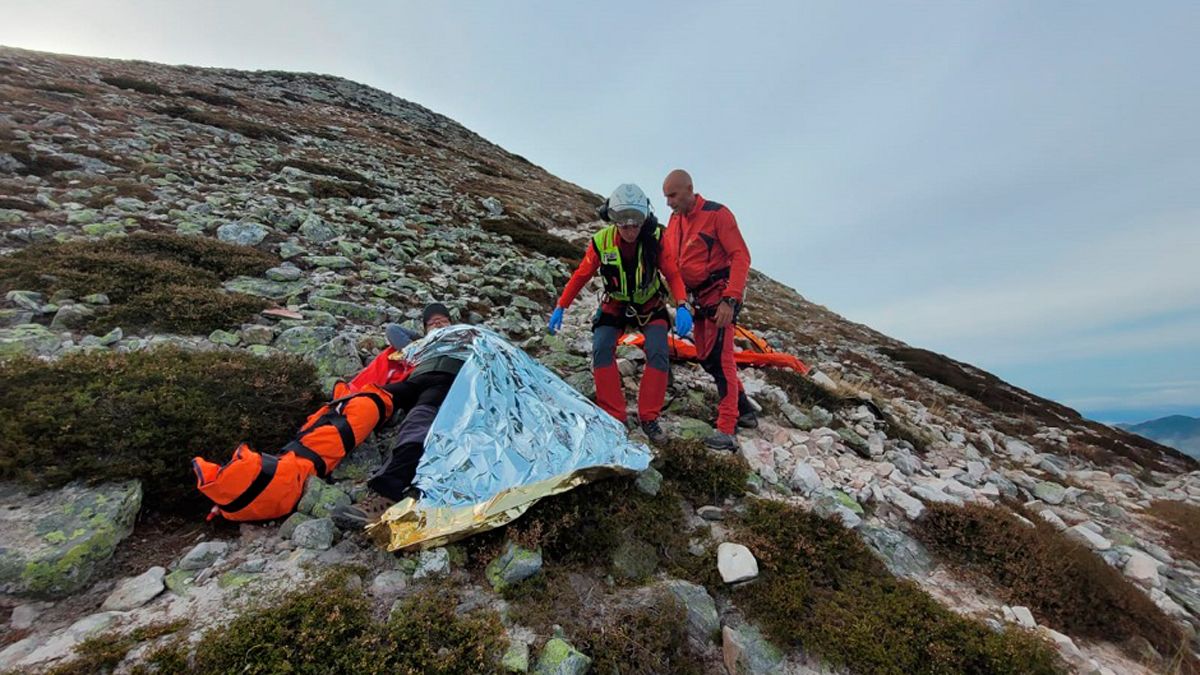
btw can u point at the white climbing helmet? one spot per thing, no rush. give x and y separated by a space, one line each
628 204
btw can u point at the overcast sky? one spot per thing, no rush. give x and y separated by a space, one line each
1014 184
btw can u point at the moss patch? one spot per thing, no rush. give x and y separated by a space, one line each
802 390
329 628
134 84
144 415
1065 585
166 282
101 654
1182 523
644 636
533 238
239 125
327 189
820 589
702 476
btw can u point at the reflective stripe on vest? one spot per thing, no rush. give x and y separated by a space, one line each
647 283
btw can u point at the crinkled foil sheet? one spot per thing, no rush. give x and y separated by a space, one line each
509 433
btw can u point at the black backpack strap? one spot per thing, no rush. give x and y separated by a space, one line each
300 450
265 473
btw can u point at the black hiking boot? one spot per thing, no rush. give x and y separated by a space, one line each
654 432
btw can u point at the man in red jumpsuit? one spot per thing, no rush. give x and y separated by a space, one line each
703 241
638 282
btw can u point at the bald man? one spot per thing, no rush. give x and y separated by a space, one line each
706 245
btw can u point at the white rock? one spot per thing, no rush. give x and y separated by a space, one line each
930 494
804 478
912 508
736 563
1018 449
136 591
203 554
435 562
1024 617
1142 568
1052 518
1087 537
823 380
61 643
1065 645
23 616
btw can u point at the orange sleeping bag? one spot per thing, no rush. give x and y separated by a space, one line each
259 486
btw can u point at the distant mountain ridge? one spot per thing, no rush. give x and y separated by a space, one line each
1177 431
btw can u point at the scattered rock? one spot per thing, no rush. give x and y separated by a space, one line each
55 541
202 555
433 563
136 591
703 620
560 658
745 650
736 563
512 566
316 534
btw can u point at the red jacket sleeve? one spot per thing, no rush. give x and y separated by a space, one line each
739 254
670 272
583 273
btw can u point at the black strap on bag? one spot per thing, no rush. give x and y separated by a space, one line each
265 473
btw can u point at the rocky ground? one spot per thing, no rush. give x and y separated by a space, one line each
376 206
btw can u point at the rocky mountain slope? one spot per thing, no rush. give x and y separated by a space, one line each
1177 431
999 517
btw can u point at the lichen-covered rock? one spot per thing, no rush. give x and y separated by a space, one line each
560 658
52 544
30 339
516 657
747 652
317 534
203 554
702 618
320 498
514 565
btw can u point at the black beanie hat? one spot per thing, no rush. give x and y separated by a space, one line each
433 309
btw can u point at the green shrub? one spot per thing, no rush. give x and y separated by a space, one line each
167 282
801 390
702 476
533 238
330 189
328 628
647 637
182 309
109 416
212 98
140 86
238 125
321 169
426 635
101 654
1182 524
1063 583
312 630
820 589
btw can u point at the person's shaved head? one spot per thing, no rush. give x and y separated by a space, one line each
678 190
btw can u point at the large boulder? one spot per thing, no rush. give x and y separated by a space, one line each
51 544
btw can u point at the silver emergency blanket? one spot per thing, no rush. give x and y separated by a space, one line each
509 432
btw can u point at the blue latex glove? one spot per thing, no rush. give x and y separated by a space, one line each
683 321
556 318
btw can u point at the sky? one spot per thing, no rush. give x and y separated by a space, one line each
1014 184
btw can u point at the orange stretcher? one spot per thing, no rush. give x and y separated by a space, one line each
757 352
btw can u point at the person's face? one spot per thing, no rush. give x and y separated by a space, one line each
628 231
679 195
437 321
